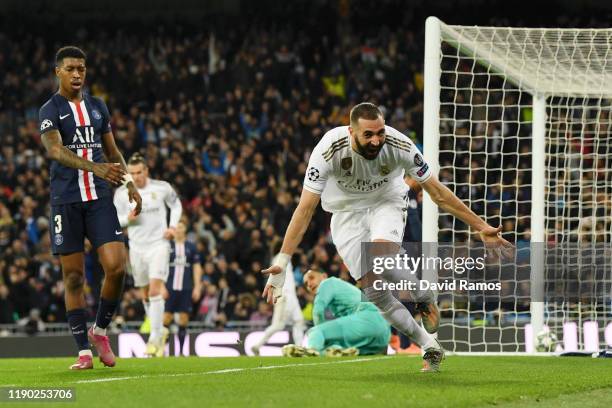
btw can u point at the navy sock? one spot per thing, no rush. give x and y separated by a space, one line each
182 332
106 310
77 319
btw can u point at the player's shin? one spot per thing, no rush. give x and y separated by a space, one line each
399 317
298 333
156 313
106 310
182 333
269 332
77 319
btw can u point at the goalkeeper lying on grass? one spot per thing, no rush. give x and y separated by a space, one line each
358 327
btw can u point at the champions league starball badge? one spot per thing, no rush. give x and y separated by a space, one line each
313 174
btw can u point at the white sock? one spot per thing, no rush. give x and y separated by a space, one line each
399 317
85 353
269 332
99 331
298 333
156 315
146 307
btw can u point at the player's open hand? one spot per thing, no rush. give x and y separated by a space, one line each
271 294
134 196
111 172
495 244
273 270
274 287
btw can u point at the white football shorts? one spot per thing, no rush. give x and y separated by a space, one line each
350 228
150 263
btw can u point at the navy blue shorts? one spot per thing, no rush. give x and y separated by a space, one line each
71 223
178 301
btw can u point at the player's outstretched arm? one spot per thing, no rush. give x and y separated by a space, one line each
293 236
112 153
323 298
52 140
449 202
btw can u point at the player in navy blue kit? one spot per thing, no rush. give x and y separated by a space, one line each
76 133
184 282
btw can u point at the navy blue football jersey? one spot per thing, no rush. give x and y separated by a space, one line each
183 255
81 127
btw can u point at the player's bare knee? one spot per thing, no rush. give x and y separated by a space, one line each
183 319
154 291
115 271
73 280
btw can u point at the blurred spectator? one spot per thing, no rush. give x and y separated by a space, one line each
229 114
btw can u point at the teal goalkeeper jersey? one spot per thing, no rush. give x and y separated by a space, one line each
340 297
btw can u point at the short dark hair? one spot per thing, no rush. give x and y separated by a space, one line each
137 158
365 110
69 51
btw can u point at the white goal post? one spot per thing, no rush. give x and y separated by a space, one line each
518 123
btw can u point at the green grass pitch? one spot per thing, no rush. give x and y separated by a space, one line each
320 382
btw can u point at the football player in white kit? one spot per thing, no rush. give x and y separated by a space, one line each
149 234
287 311
357 172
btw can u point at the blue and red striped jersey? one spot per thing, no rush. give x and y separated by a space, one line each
81 126
183 256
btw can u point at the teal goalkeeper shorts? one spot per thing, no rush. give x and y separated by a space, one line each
366 330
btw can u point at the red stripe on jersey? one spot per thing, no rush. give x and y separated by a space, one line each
85 173
81 117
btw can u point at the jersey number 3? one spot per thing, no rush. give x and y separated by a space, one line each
58 223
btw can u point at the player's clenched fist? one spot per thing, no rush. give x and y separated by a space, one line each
111 172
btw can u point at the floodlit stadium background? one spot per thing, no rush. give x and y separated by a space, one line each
225 99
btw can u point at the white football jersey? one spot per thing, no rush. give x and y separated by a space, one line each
347 181
150 225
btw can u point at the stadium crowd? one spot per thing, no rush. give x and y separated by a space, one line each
227 112
228 117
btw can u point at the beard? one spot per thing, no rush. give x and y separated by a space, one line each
368 151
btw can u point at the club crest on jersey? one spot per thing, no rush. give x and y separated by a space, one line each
59 239
87 138
154 196
384 170
346 163
418 160
96 114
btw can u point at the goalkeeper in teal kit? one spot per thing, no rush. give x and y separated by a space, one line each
357 327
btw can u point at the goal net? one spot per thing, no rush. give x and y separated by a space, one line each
518 125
